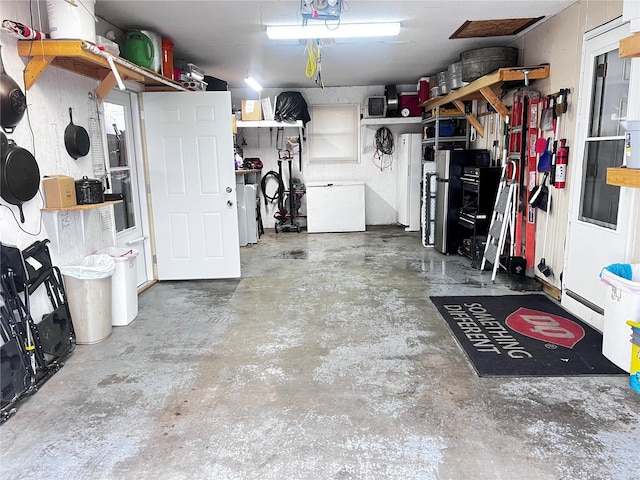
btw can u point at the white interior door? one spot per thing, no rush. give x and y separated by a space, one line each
125 167
191 172
601 215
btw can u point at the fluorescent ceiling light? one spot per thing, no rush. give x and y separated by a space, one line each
342 30
253 84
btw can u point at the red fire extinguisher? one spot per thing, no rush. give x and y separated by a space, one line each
561 164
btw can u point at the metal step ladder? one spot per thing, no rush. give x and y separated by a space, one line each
502 220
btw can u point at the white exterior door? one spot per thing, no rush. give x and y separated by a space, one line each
125 165
601 216
191 172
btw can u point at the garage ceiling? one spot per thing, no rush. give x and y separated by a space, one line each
227 39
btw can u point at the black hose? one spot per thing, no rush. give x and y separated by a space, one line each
277 195
384 141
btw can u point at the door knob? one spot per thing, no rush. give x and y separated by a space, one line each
229 190
229 203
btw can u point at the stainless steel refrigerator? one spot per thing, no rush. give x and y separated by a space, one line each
449 168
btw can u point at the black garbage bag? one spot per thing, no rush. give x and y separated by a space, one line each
291 106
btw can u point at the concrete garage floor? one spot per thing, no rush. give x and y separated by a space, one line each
325 361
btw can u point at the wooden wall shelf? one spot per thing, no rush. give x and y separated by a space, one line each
86 206
624 177
630 46
75 208
75 56
489 87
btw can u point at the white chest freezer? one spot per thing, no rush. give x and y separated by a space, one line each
335 207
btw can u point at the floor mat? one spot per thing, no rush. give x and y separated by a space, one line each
524 335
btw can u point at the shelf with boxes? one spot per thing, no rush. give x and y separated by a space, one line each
60 197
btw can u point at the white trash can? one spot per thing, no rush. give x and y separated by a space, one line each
621 303
124 285
88 286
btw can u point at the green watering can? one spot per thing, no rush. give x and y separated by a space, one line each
138 48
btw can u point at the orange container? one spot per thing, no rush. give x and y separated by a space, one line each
167 57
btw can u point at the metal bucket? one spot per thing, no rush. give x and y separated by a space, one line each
455 76
443 82
480 61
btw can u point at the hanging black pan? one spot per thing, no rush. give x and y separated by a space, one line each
12 101
76 139
19 174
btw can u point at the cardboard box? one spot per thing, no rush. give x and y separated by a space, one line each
251 110
59 191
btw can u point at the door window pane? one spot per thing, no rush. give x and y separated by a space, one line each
610 91
599 203
598 200
124 213
119 169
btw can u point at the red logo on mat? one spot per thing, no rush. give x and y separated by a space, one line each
545 327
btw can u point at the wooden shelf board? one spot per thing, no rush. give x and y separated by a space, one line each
87 206
71 56
624 177
487 86
630 46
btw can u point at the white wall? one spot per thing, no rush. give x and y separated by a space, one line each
380 191
42 133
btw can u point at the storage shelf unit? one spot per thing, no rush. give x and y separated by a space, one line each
76 56
437 141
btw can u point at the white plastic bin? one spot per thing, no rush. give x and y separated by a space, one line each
621 303
88 285
124 285
75 20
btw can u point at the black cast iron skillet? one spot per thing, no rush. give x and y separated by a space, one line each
76 139
19 174
13 103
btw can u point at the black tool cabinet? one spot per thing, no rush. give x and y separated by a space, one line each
479 189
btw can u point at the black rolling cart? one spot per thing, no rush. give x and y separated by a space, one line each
290 201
